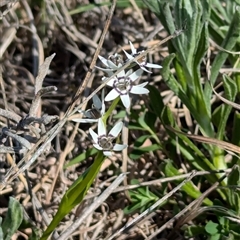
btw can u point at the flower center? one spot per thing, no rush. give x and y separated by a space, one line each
123 85
105 142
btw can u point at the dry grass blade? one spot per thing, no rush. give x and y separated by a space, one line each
224 50
38 84
222 144
235 105
9 4
43 70
139 13
6 39
37 47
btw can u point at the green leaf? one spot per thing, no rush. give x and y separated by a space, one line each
150 148
234 176
13 219
189 12
212 228
120 114
81 157
147 126
237 203
236 129
75 194
223 115
167 75
150 119
163 12
187 147
156 101
140 141
193 231
188 187
142 123
140 198
26 224
229 42
217 236
230 88
138 152
35 234
220 11
233 195
194 103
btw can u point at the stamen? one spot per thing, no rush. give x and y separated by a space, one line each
123 85
105 142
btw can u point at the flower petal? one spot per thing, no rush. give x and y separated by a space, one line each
143 68
112 65
125 100
107 70
119 147
97 102
116 129
134 76
151 65
108 63
107 153
129 72
93 135
111 82
134 50
101 127
92 114
85 120
103 109
142 84
121 74
139 90
97 147
129 56
103 104
104 78
103 60
111 95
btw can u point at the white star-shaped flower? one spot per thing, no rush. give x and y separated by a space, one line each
93 114
111 66
141 62
104 141
123 84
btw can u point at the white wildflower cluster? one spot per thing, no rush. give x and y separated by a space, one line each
123 85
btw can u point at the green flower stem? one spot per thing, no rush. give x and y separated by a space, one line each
75 194
110 110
